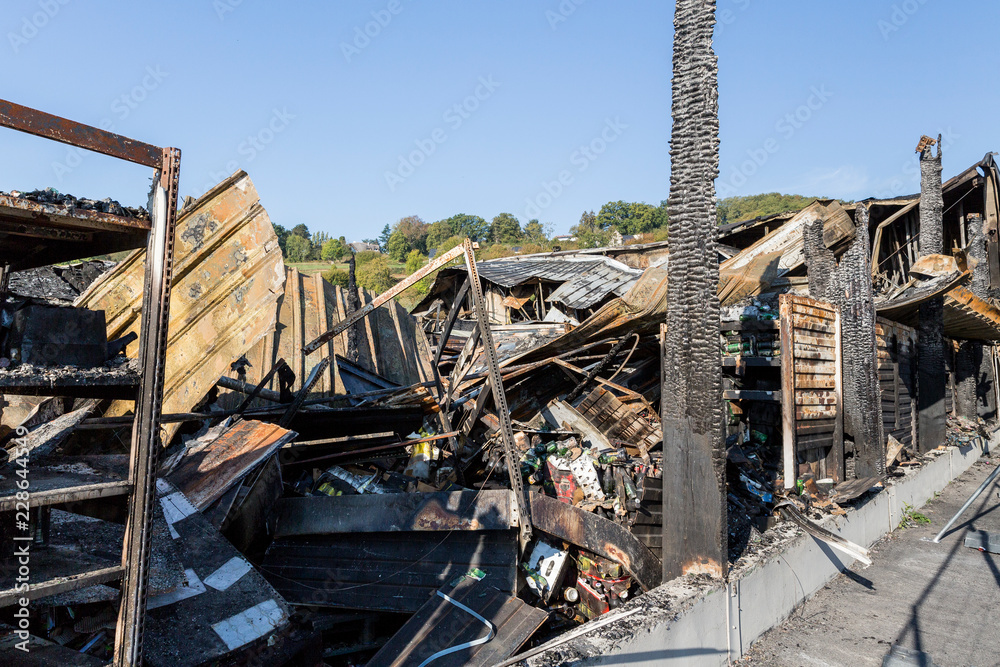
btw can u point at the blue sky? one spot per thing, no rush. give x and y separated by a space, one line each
541 108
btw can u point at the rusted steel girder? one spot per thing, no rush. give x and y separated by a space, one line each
499 397
46 125
146 429
382 298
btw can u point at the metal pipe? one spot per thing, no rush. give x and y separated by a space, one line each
972 499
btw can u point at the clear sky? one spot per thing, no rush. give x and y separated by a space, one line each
481 107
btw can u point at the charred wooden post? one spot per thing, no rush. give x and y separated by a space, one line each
353 305
985 384
931 376
694 484
848 284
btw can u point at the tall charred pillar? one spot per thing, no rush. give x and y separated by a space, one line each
694 485
931 378
985 380
848 284
353 304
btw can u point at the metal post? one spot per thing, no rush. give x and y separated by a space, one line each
499 398
146 429
972 499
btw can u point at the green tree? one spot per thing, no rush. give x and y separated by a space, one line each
365 256
333 250
301 230
438 232
383 238
534 232
505 228
738 209
495 251
336 276
375 275
297 248
414 230
399 246
448 244
282 235
626 217
414 262
472 226
587 225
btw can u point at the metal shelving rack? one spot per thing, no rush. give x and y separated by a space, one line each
36 234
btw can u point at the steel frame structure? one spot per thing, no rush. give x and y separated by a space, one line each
145 444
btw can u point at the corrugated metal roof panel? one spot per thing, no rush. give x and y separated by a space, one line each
585 282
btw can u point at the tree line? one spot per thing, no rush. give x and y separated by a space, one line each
410 241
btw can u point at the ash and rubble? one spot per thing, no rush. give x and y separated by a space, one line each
354 484
55 198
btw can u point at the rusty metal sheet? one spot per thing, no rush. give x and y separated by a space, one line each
215 462
46 125
228 276
597 534
370 513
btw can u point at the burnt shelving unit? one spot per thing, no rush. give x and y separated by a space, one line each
36 234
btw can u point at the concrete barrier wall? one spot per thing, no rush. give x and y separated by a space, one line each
676 627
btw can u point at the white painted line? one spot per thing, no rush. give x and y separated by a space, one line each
246 626
176 507
227 575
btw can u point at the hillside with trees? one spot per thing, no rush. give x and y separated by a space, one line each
406 245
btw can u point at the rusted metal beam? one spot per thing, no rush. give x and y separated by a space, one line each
42 124
382 298
499 397
146 430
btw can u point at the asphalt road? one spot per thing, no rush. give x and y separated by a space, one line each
940 599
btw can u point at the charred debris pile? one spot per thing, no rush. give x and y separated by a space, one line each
342 482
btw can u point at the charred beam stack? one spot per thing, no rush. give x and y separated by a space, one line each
847 283
931 375
694 493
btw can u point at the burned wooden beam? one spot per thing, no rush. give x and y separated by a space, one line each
468 623
931 376
694 486
847 283
441 511
598 535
